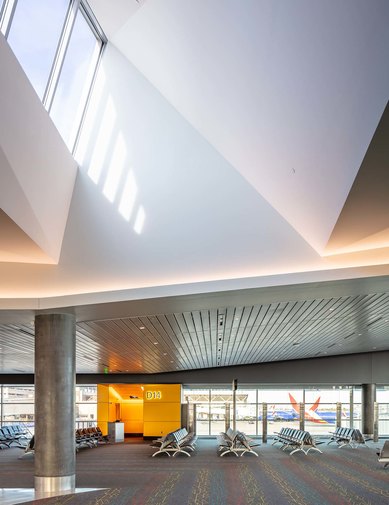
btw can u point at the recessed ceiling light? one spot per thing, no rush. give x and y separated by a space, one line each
141 327
172 362
165 353
155 343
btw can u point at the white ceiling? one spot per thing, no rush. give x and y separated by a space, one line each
243 126
289 93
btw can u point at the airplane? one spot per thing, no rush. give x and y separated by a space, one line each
312 414
274 414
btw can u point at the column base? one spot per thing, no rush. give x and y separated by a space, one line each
55 485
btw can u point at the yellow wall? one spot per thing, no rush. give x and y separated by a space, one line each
158 413
132 416
108 406
161 409
103 408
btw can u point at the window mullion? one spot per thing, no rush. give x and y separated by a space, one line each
60 54
6 14
87 101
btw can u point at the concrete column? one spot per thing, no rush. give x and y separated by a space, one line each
302 416
228 416
352 407
368 399
338 414
264 423
55 460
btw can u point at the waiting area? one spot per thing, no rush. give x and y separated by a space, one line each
127 473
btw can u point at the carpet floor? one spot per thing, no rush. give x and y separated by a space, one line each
131 476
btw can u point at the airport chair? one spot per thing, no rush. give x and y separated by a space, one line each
383 455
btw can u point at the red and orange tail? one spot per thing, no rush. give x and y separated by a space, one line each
294 403
315 406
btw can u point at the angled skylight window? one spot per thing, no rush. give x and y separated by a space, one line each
33 36
58 43
75 79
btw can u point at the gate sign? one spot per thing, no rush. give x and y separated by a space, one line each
153 395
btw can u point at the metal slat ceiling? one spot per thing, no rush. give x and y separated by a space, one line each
212 337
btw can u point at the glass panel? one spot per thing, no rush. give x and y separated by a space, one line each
246 416
34 35
86 394
75 80
218 418
282 408
18 412
18 394
86 406
382 396
202 419
357 416
86 412
196 395
321 409
383 416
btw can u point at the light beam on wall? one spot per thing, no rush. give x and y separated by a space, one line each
139 220
115 169
128 198
90 118
102 141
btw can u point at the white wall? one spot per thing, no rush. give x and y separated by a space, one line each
37 172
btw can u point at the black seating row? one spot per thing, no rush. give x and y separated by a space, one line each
13 434
85 437
347 436
89 437
297 440
235 442
177 442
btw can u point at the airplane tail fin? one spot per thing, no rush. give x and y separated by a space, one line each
294 403
315 406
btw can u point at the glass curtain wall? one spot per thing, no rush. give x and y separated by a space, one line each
382 398
58 43
86 406
17 406
214 408
322 407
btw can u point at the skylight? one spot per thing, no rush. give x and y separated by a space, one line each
58 43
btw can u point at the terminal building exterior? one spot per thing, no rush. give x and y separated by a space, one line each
192 193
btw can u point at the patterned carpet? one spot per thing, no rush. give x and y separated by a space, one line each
131 476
